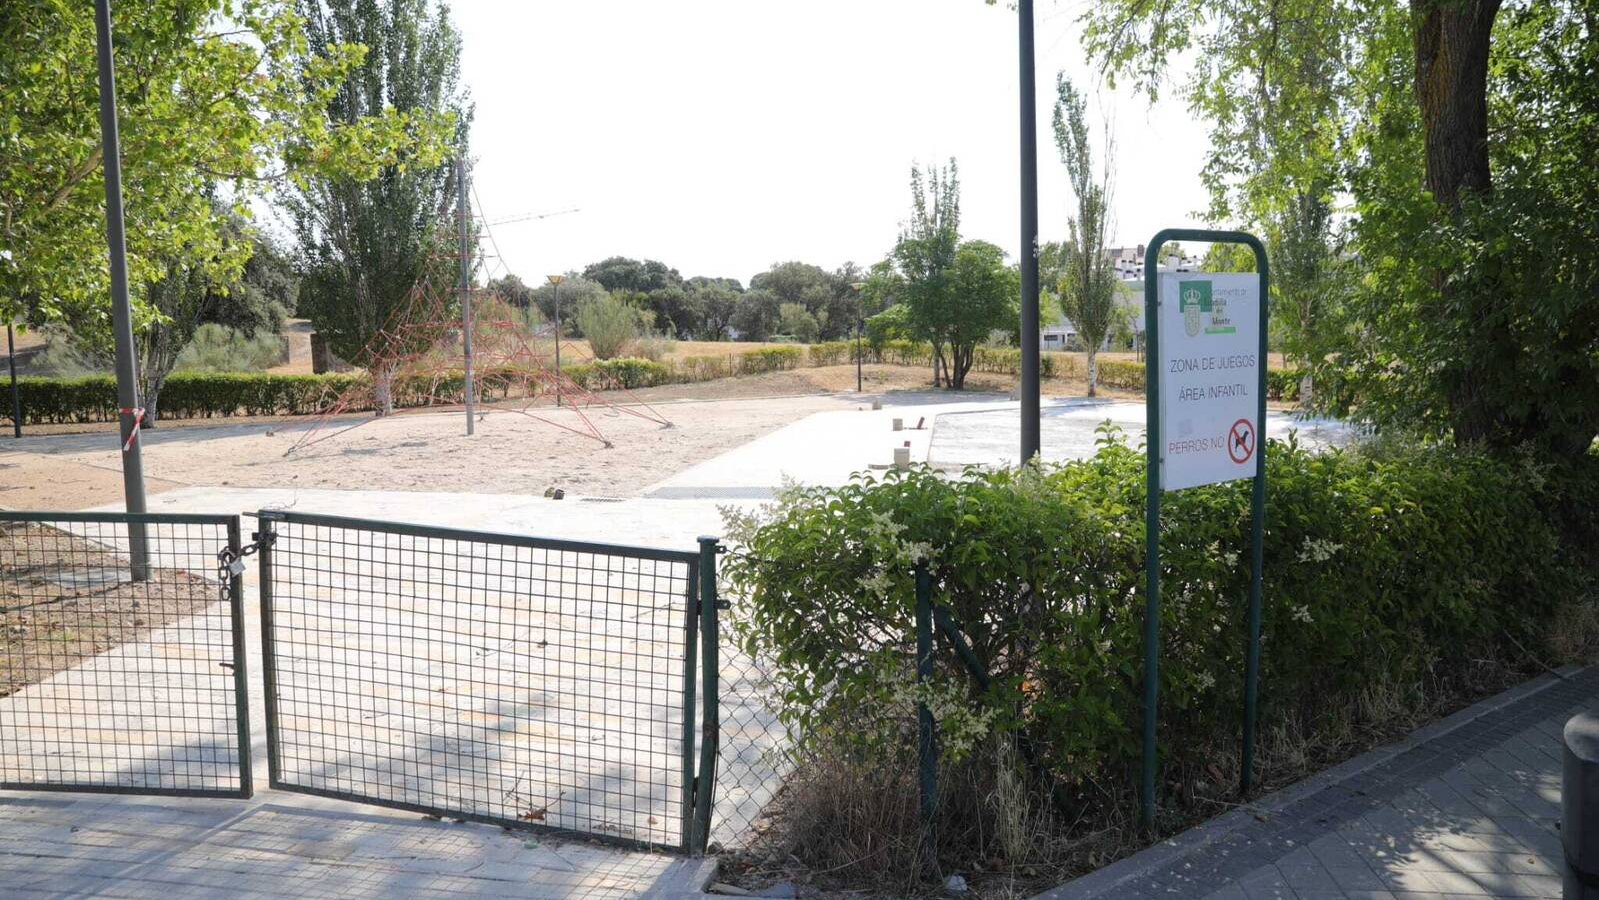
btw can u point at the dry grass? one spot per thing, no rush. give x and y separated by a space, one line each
847 826
1573 635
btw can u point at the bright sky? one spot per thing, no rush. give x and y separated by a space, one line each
721 136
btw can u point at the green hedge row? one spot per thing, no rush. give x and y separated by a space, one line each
92 398
1383 572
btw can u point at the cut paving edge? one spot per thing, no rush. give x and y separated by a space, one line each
1158 855
689 882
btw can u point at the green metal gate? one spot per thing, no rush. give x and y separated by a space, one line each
124 666
521 681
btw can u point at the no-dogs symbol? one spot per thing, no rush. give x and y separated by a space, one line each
1241 441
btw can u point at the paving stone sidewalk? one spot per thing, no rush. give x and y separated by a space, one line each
286 847
1466 809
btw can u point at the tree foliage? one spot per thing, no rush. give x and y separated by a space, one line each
610 323
1088 281
368 243
1462 131
925 254
217 99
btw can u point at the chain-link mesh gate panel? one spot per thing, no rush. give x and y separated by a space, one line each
489 677
754 751
123 663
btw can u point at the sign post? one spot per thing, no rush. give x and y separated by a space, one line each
1205 420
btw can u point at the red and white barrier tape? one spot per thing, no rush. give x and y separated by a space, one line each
137 412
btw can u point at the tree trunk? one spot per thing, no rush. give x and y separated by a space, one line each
383 388
1093 369
152 401
960 363
1307 387
1452 39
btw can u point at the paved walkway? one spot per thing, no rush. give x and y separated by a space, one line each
283 846
1466 808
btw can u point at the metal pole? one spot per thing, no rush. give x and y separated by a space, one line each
926 742
130 413
1257 539
557 343
16 398
466 285
859 325
1151 533
241 676
1029 388
711 717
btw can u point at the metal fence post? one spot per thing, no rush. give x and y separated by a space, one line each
926 743
691 629
241 678
710 666
269 671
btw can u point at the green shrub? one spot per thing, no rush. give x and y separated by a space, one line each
705 368
832 353
1392 570
218 348
627 372
93 398
610 323
770 359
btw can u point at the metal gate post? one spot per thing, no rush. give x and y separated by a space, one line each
711 672
269 673
691 627
926 741
241 678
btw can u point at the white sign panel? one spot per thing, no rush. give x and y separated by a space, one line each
1209 378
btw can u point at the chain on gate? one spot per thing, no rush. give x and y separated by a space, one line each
230 563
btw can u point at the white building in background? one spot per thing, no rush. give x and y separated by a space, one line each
1060 334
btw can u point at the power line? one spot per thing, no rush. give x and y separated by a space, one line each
528 217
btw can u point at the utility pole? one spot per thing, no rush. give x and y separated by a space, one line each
130 414
16 399
466 285
1028 388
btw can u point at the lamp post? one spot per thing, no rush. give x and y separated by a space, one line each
555 282
856 287
1029 388
129 411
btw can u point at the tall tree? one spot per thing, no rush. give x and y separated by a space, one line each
926 252
214 102
984 293
1402 109
1088 284
825 295
717 300
368 244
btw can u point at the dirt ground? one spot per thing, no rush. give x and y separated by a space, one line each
64 599
428 451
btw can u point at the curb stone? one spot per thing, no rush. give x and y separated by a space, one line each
1199 837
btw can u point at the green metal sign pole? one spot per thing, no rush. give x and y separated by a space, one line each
1153 445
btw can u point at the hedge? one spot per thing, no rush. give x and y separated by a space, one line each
92 398
1382 572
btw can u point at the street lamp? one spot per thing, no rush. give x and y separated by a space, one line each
555 281
856 287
